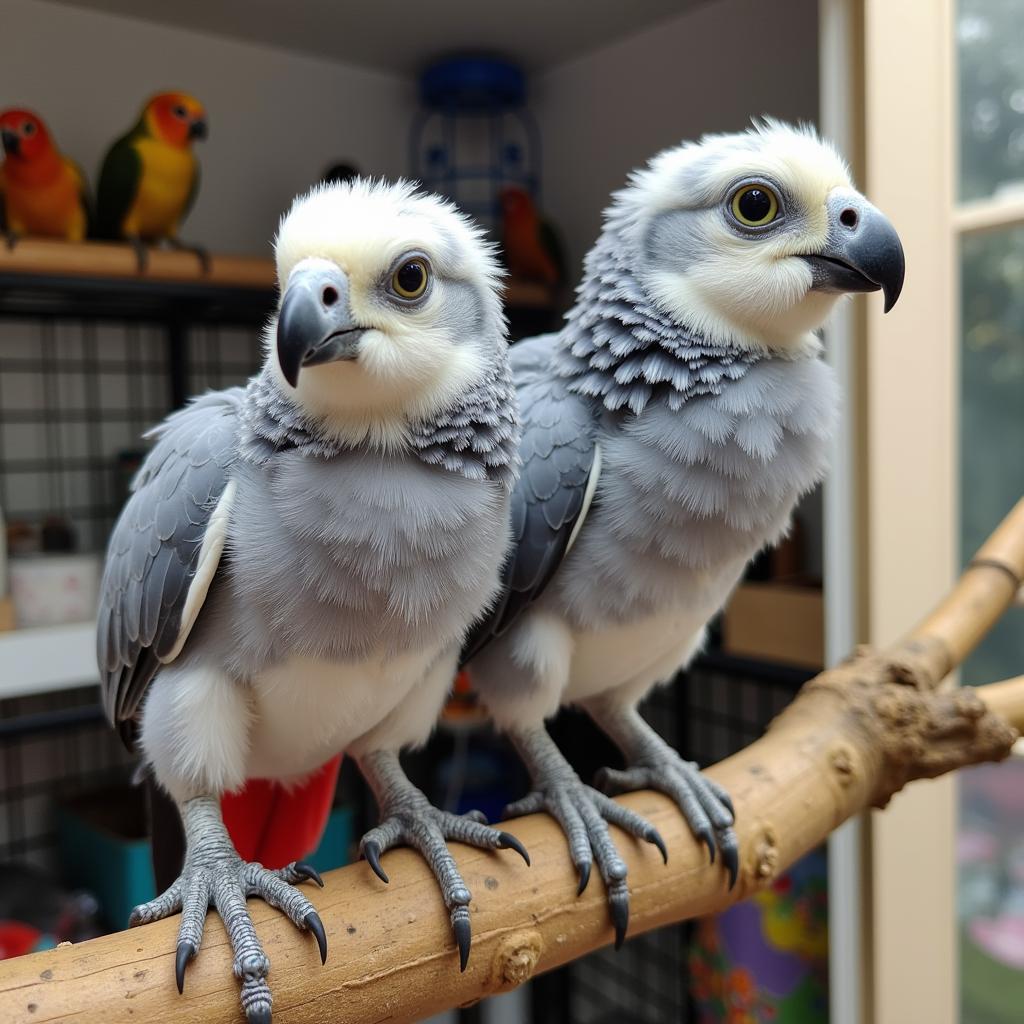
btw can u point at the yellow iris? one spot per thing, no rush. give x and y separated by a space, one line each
755 205
410 279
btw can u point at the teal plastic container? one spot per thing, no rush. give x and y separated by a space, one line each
335 849
104 848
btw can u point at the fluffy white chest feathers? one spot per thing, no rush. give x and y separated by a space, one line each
307 709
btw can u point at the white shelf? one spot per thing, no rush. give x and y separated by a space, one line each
46 659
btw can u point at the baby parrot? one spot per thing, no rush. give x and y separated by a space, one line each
358 490
44 193
669 429
150 177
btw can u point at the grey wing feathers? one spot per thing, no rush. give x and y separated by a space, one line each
154 549
557 451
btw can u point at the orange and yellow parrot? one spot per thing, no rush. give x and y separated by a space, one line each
43 192
532 252
150 177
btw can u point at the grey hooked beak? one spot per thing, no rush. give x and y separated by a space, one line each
314 324
11 142
197 129
863 252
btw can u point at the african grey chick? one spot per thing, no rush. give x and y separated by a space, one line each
684 406
300 559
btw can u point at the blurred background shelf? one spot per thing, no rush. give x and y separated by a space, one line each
47 659
102 279
40 256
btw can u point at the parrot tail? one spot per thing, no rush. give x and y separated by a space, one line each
274 824
269 823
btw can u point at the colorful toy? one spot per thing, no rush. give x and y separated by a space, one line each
150 177
686 392
361 484
43 192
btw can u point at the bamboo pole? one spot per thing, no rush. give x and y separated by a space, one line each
852 738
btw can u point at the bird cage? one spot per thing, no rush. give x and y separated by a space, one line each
473 135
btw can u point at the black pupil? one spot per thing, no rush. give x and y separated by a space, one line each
410 277
29 128
755 204
179 112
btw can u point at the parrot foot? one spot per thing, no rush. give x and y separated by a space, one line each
11 239
584 815
198 251
215 874
409 819
705 805
141 253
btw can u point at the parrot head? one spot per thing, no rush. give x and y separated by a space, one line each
24 137
389 307
751 238
175 118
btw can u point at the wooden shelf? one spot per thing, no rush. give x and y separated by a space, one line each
36 265
49 258
47 658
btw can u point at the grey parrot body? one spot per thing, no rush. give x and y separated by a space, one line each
300 559
669 430
704 452
343 572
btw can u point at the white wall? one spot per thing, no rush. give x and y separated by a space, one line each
709 69
276 118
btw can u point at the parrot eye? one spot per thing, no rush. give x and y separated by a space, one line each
28 128
755 205
179 111
409 281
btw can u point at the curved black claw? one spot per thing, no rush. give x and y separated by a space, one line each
258 1015
654 836
464 939
507 841
316 926
707 837
184 954
584 870
308 872
620 918
731 860
371 853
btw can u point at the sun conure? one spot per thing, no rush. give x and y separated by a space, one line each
43 192
150 177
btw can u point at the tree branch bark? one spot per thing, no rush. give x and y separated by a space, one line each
853 737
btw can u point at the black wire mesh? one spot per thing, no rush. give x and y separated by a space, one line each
62 747
76 396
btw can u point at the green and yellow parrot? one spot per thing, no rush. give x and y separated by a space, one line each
150 177
42 192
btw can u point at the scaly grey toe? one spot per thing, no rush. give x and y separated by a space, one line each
214 875
706 807
409 819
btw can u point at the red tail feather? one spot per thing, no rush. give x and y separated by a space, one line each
275 824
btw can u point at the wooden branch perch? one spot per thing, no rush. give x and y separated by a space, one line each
852 738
